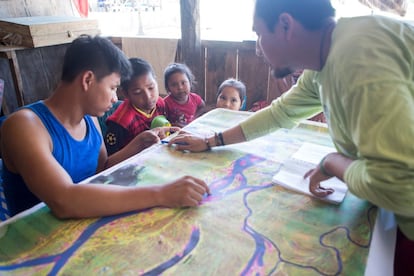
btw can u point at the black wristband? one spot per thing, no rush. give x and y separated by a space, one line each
220 136
216 139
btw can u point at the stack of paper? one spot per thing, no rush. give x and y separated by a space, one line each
306 158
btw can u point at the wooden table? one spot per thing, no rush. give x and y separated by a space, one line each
247 226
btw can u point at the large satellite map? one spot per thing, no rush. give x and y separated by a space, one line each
247 226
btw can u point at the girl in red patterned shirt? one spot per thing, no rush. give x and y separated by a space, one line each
181 104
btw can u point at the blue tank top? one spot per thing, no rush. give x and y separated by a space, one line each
78 158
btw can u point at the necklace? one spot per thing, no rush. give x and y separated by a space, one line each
327 30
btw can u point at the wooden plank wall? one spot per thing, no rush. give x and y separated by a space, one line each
40 70
220 63
254 73
225 59
237 60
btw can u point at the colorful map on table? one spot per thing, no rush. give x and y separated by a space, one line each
247 226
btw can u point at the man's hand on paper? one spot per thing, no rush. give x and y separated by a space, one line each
333 164
315 179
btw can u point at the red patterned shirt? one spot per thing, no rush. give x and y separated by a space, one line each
182 114
127 122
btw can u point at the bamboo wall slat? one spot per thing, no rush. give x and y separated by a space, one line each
254 73
219 65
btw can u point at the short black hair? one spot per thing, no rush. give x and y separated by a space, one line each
310 13
178 67
139 68
97 54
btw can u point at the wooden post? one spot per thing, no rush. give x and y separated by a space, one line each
191 50
10 54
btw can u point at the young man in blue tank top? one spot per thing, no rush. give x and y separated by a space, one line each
50 145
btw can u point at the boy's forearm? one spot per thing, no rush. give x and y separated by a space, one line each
102 200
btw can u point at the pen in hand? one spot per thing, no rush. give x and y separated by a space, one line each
177 143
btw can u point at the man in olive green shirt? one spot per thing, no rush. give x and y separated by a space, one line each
360 73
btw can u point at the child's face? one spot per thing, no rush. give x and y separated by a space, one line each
143 92
229 98
179 87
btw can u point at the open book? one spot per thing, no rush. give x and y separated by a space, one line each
307 157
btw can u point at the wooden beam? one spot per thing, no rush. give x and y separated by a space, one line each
191 50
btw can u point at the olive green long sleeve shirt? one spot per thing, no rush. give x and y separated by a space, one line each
366 91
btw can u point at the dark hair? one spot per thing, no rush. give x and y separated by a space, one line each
97 54
310 13
239 86
178 67
139 67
